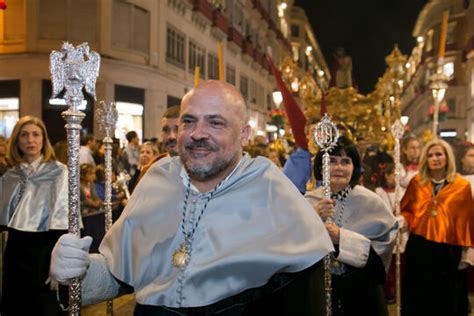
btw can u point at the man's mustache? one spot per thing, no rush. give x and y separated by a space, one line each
171 142
200 144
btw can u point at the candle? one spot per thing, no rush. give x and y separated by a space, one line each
221 63
196 76
444 29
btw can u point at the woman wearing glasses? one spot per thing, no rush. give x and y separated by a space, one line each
362 229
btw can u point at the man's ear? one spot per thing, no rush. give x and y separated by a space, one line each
244 139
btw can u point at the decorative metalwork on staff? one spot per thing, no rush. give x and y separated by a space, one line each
107 116
72 69
326 135
397 130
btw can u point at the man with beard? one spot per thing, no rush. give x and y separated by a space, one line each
169 130
169 133
210 232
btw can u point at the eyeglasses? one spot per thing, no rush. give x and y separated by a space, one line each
343 161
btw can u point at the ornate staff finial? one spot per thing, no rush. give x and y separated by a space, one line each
326 135
72 69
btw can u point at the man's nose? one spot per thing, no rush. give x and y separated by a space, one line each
199 131
173 134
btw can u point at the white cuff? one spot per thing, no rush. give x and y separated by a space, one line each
354 248
467 258
98 284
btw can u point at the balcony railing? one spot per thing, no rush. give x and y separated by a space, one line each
248 48
235 36
219 20
204 7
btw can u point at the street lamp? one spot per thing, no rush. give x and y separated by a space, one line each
277 98
438 87
404 120
396 63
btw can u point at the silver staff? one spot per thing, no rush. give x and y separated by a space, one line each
397 130
72 69
107 116
326 135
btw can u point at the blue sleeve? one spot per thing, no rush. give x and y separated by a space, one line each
298 168
100 190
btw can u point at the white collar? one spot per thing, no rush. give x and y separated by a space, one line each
30 168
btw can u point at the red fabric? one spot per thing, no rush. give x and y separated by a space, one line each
295 116
412 167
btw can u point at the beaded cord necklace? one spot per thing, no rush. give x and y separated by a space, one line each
341 197
337 267
437 186
182 256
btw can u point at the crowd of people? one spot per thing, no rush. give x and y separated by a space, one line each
213 228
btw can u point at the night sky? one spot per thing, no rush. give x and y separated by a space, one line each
367 29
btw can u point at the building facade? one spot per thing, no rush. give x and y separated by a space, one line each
150 50
417 99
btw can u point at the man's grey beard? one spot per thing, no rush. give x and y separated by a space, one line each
210 171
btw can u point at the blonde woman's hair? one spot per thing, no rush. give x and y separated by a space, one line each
424 172
14 155
153 147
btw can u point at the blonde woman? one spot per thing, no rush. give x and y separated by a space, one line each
148 153
438 210
33 209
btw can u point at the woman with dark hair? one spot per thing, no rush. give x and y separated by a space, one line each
438 210
363 233
34 211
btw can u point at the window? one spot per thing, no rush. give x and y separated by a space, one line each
130 106
451 103
175 47
451 33
238 18
253 91
429 41
14 27
260 97
230 75
244 87
196 58
269 102
74 20
229 9
9 106
295 30
130 27
212 66
172 101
